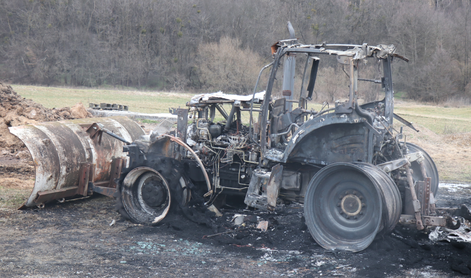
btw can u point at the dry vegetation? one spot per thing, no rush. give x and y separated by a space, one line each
451 152
14 192
227 66
445 133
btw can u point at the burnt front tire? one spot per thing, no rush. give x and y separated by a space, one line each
145 196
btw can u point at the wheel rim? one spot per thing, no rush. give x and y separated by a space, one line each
343 207
391 196
145 195
151 192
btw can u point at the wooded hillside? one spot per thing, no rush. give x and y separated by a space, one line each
198 44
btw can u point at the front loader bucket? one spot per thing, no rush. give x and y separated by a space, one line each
67 158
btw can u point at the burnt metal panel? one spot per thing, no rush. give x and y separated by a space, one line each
182 123
273 186
388 88
255 196
333 143
312 79
45 158
46 196
296 180
69 149
103 190
291 180
163 146
84 176
307 128
116 166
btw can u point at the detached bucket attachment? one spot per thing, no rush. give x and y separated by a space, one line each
67 158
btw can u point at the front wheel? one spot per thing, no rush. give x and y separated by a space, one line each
145 195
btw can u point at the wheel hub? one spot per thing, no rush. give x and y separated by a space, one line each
351 205
153 193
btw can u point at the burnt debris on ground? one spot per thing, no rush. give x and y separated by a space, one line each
83 236
288 241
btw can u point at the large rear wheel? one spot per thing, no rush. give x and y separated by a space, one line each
345 205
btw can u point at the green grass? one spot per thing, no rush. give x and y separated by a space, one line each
138 101
441 120
13 198
146 121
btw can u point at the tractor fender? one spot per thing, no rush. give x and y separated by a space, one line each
350 132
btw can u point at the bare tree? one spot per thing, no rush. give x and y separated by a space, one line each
228 67
161 43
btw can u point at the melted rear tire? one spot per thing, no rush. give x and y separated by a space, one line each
346 205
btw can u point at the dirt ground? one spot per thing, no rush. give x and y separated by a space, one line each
88 238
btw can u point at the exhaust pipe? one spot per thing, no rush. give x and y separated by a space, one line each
68 156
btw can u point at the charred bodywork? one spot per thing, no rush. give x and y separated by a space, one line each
350 167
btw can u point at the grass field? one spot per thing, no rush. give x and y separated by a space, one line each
445 132
138 101
441 120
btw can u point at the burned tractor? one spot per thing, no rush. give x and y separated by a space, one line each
351 168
